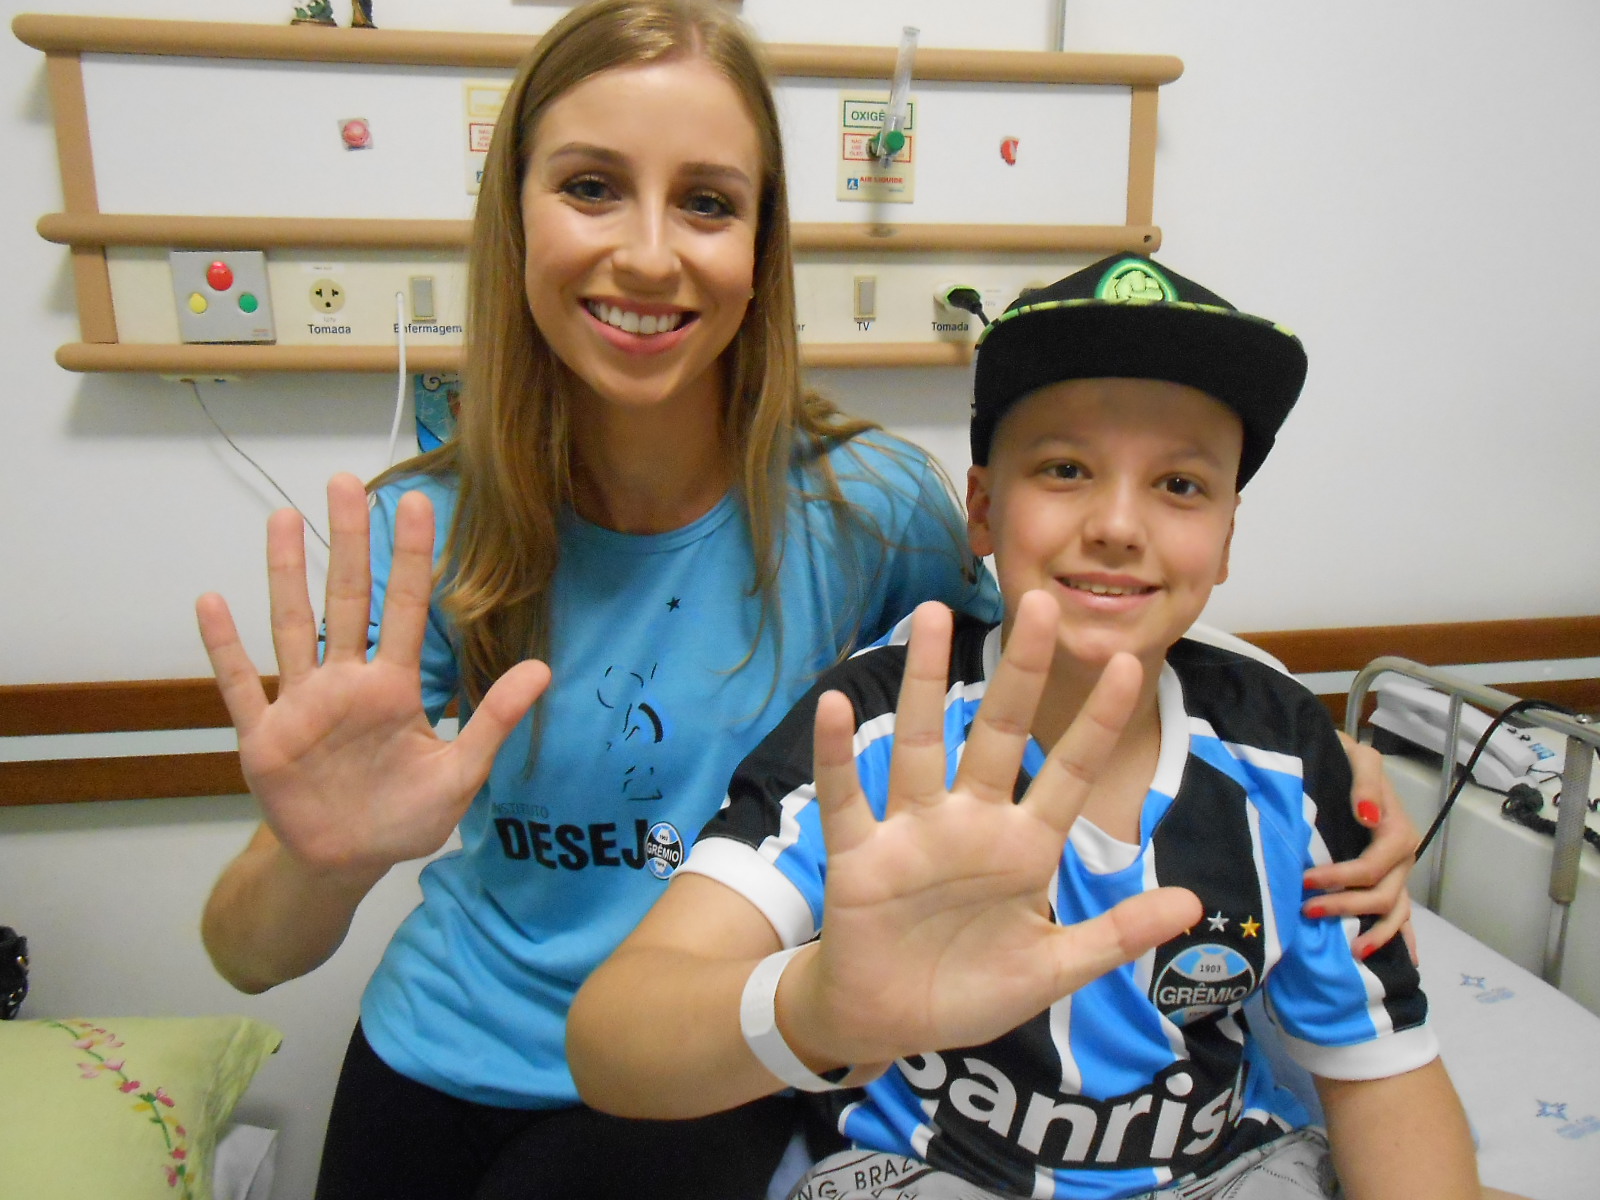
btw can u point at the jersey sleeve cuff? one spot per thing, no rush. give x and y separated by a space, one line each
1392 1054
738 866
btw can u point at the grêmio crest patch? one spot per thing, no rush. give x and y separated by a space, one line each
1202 980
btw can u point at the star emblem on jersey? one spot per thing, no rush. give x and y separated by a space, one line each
1251 927
672 604
1558 1111
1473 981
1217 923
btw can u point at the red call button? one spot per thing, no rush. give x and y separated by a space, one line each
220 276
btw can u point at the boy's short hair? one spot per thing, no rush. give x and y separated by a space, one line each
1127 318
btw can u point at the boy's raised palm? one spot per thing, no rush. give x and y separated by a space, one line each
349 773
938 930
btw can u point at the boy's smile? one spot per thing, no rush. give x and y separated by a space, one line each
1117 497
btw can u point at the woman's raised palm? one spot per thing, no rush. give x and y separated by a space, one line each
349 773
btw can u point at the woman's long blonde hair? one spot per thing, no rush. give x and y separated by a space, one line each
512 451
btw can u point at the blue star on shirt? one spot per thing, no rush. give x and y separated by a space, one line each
1473 981
1558 1111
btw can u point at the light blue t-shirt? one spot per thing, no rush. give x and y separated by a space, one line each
648 713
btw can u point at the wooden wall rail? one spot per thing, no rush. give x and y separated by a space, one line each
410 47
200 361
129 706
96 229
1437 645
168 704
1307 651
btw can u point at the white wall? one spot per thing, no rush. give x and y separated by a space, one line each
1408 186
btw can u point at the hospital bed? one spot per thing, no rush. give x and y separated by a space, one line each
1522 1053
1509 941
1520 891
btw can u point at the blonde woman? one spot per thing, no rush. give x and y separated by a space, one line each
642 496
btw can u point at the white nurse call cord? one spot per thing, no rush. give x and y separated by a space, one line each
394 427
198 399
400 383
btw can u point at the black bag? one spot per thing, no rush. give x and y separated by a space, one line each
13 971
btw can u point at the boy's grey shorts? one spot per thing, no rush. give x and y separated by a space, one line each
1296 1166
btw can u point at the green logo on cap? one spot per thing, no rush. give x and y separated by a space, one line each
1134 282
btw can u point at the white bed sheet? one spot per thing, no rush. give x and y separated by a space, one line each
1525 1059
245 1163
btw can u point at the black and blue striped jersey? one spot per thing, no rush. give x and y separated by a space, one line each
1148 1074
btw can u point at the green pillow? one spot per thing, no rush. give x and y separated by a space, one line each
125 1107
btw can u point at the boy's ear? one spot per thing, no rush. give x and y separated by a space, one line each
978 535
1227 545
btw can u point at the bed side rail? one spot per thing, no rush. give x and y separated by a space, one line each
1582 739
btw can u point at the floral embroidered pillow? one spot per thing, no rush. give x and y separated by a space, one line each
126 1107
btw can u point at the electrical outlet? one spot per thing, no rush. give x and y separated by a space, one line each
221 295
327 296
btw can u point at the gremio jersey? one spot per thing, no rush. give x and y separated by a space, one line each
1148 1074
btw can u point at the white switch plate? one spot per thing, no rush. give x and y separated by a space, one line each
241 311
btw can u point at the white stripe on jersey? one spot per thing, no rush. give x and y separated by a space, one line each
1228 1025
876 729
1263 1117
898 636
922 1135
1315 846
1061 1038
1268 760
788 822
1061 1012
1350 927
1271 940
1170 1029
791 806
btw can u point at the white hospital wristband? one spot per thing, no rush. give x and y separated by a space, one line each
758 1020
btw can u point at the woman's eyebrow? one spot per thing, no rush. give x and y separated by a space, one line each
711 170
588 151
613 158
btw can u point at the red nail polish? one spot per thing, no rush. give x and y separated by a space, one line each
1366 952
1316 912
1368 812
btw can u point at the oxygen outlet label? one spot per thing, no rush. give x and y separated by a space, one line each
862 174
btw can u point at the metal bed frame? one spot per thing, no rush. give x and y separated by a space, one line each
1582 737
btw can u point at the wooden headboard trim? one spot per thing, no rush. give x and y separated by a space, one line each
147 705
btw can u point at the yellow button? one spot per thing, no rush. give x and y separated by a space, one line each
197 303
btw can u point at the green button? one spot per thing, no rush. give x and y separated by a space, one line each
248 302
889 142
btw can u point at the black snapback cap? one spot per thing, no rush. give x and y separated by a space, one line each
1124 317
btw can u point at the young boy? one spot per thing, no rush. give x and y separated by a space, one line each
1056 980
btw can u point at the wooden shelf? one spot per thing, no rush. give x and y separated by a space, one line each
231 360
346 233
54 34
